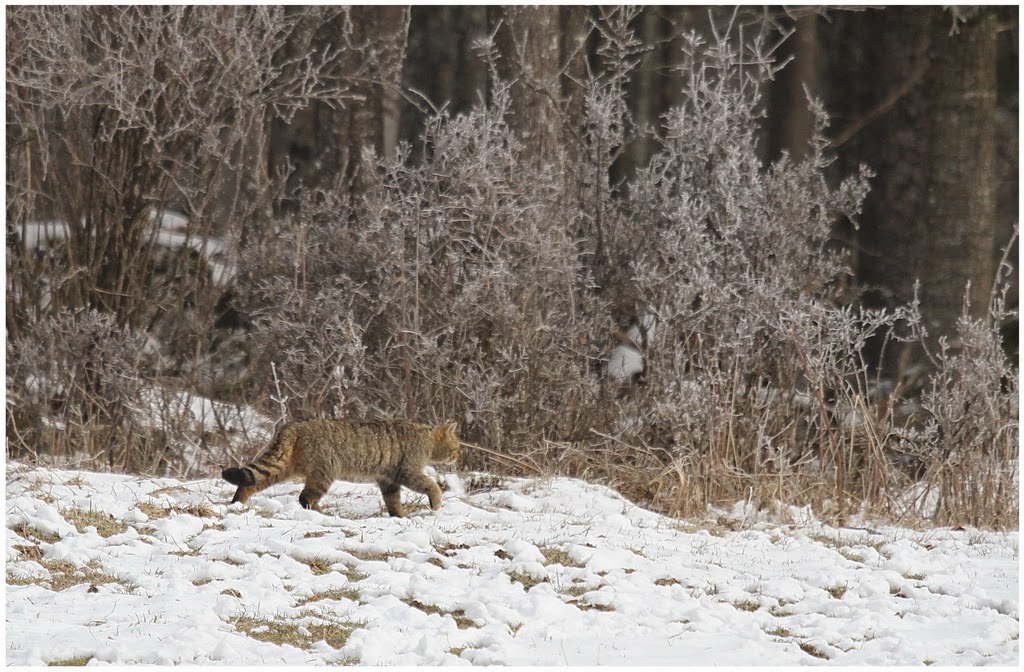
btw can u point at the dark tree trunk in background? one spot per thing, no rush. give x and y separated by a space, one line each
645 90
957 243
375 52
530 45
324 143
573 47
917 105
442 69
789 118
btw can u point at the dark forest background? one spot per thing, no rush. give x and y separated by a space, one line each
699 253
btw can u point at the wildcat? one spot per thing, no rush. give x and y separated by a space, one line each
390 452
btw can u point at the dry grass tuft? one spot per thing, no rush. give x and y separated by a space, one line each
26 531
70 662
106 525
300 635
556 556
337 594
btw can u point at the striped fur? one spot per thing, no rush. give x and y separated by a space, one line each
391 453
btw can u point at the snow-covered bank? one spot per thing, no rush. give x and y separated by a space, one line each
118 569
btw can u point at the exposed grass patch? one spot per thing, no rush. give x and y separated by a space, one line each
319 566
347 661
197 510
826 540
335 634
154 511
272 631
915 576
450 550
35 486
190 553
851 555
779 631
459 616
29 551
338 594
812 650
574 591
667 582
64 575
106 525
746 605
26 531
462 621
527 580
556 556
413 506
589 606
837 591
370 556
300 635
352 575
173 489
70 662
425 608
13 580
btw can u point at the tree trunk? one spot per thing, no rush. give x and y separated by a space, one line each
442 74
324 143
957 220
917 105
531 48
789 120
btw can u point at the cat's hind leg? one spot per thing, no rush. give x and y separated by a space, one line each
310 496
392 497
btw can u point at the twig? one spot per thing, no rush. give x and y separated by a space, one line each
511 459
890 101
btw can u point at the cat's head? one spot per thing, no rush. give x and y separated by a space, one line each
445 443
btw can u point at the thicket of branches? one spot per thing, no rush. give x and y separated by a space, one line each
469 281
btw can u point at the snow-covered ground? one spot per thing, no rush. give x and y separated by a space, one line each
115 569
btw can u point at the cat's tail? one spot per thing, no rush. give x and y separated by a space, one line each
236 476
273 465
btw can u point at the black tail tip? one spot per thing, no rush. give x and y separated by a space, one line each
236 476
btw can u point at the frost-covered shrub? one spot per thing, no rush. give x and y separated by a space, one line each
462 276
307 327
74 386
735 261
966 442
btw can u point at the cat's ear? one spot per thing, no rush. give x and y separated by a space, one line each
451 428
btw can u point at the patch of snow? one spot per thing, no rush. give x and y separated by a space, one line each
624 362
529 572
170 230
